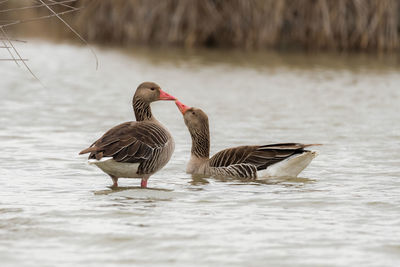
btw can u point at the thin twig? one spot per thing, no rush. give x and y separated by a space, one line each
75 32
8 42
8 49
19 56
38 18
9 59
36 6
62 4
14 40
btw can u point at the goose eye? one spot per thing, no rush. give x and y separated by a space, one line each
152 88
193 113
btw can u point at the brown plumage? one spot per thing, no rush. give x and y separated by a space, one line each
259 156
242 161
135 149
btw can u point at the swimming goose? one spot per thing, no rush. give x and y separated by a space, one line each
135 149
286 159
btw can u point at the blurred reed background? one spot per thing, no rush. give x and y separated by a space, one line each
344 25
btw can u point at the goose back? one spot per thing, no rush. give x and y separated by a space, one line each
147 143
245 161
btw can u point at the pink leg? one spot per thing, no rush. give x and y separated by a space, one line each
143 184
115 181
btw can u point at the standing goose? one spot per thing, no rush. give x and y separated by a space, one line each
135 149
286 159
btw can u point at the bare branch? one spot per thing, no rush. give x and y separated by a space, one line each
14 40
19 56
62 4
37 6
75 32
8 59
38 18
8 49
7 43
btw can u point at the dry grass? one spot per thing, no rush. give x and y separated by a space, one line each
249 24
366 25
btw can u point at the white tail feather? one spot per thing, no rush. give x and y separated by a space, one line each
291 166
95 161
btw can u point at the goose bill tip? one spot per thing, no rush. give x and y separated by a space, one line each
182 107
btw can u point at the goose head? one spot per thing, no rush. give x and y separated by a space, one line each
195 119
150 92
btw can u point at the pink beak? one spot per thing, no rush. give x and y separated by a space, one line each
166 96
182 107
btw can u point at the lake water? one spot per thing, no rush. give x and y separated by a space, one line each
343 210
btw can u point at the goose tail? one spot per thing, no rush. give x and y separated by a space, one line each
290 167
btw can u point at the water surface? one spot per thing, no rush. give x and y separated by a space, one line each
343 210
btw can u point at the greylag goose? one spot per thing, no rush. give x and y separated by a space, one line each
286 159
135 149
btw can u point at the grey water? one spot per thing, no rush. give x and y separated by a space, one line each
343 210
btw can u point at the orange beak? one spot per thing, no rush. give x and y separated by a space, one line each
166 96
182 107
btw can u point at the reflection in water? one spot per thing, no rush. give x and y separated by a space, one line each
135 189
279 180
198 179
344 213
283 181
